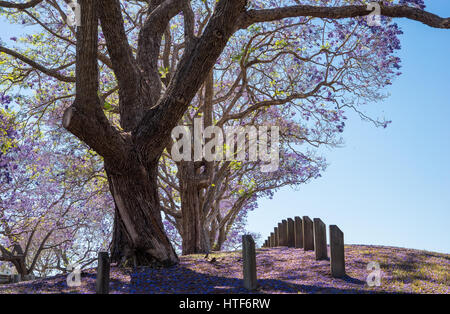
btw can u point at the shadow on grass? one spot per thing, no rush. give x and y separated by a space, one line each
183 280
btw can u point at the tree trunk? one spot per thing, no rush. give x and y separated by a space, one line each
220 239
195 239
139 238
19 264
120 244
18 260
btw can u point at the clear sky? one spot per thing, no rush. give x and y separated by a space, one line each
388 186
385 186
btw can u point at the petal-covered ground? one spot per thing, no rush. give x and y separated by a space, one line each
280 270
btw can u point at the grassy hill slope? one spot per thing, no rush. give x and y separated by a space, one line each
280 270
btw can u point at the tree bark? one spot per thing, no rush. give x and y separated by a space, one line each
139 238
120 244
19 265
195 238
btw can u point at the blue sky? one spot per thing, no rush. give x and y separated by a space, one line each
388 186
385 186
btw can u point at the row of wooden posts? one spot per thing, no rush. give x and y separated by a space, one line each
304 233
310 235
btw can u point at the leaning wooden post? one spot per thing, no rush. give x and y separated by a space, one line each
298 232
290 233
272 239
320 239
102 285
249 262
308 237
337 252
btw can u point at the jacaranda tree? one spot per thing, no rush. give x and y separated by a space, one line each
54 210
152 104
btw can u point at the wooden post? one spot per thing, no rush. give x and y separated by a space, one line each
308 237
320 239
276 234
290 233
102 285
283 233
280 228
298 232
249 262
337 252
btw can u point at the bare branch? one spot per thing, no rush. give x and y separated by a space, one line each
50 72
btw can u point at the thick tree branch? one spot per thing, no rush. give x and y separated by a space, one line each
87 83
255 16
149 45
189 22
20 6
194 67
122 62
85 118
